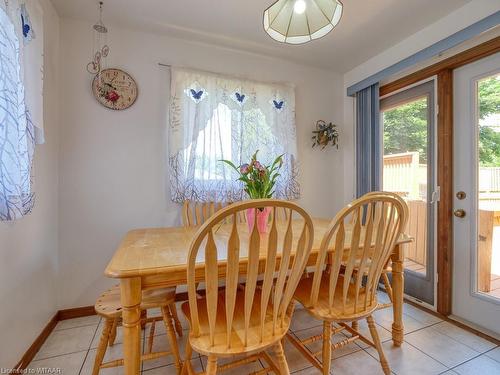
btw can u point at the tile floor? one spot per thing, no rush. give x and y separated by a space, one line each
431 346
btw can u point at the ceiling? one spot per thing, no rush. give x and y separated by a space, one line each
367 27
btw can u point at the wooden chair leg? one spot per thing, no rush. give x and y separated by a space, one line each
281 359
355 325
387 285
167 319
103 345
175 316
186 368
378 345
212 365
327 347
112 334
151 337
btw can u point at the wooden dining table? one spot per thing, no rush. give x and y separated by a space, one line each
157 257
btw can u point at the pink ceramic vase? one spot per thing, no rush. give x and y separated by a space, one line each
262 219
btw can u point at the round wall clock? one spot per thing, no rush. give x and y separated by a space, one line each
114 89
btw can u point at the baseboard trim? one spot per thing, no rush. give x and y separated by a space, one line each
37 344
28 356
77 312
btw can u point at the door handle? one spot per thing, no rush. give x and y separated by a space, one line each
459 213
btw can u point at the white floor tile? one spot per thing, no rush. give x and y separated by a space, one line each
355 364
119 335
308 371
440 347
382 297
296 361
478 366
408 360
495 354
114 352
303 320
161 343
171 370
92 320
67 341
385 318
420 315
69 364
465 337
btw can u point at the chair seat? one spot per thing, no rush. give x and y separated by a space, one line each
109 304
202 345
338 313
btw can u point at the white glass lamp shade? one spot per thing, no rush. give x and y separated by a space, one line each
300 21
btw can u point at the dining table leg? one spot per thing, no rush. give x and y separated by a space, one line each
397 290
131 295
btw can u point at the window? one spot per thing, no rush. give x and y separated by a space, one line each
214 117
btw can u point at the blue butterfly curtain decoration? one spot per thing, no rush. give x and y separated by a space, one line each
196 92
278 104
239 98
27 28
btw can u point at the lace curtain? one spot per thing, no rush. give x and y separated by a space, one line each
18 133
214 117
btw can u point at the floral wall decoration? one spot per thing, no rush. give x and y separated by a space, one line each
325 134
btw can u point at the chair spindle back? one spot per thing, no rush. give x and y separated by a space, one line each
363 235
278 257
196 213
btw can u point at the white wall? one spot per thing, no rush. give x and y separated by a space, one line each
446 26
28 247
113 163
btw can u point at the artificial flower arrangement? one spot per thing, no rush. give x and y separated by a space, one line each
259 181
325 134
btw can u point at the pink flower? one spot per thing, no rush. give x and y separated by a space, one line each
258 166
244 169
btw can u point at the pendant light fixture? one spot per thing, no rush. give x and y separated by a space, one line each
300 21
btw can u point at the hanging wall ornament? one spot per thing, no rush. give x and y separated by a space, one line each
100 48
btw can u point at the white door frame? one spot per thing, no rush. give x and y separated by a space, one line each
467 303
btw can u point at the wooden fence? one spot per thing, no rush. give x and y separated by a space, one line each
417 228
403 174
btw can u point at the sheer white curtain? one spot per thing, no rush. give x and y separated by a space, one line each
21 62
214 117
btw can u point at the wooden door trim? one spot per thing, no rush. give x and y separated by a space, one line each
463 58
444 71
445 182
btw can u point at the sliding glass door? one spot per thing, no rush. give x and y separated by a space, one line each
408 126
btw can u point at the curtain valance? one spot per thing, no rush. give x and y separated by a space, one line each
214 117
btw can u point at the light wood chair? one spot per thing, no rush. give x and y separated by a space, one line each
346 292
108 306
387 268
196 213
245 319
